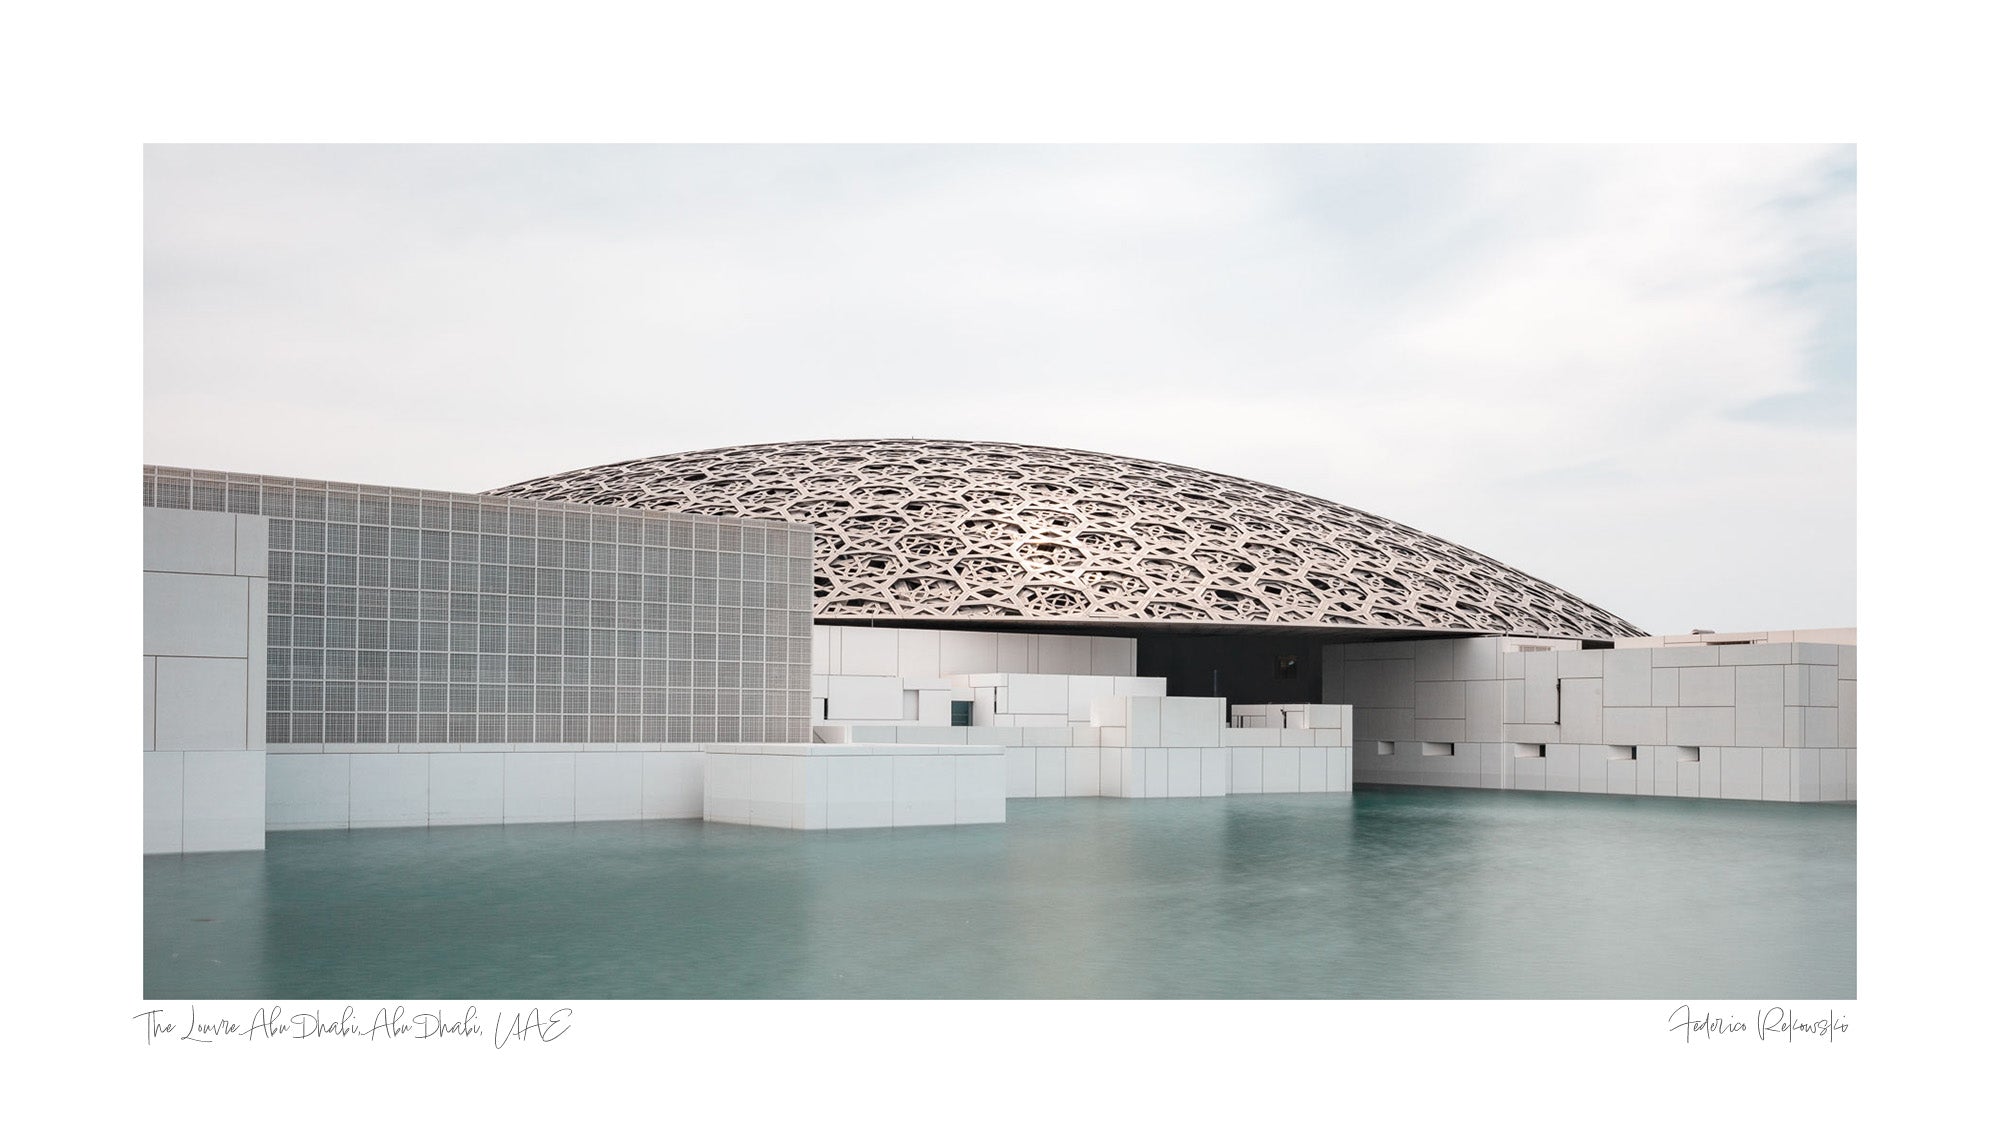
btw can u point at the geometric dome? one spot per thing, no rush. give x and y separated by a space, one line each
971 532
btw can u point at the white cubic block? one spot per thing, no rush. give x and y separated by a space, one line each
1849 725
1778 775
1484 710
968 653
1191 721
1635 726
1741 772
1148 685
1696 655
1021 763
1701 726
310 791
1114 655
934 708
1112 762
860 791
1628 677
540 786
200 704
1155 761
388 790
917 653
1440 700
1666 685
466 788
1667 774
1689 780
1822 686
185 540
1747 654
1822 726
1312 770
1580 664
1051 771
222 800
162 793
1011 653
146 689
1539 686
1082 776
609 786
670 784
1582 705
1475 659
1847 665
877 697
1620 775
822 651
253 545
1183 772
1063 654
1085 691
196 615
1035 694
1214 772
1433 659
1590 769
1246 769
1531 773
868 651
1281 769
926 790
1561 766
1708 686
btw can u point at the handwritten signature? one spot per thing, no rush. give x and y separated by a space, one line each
1768 1024
398 1023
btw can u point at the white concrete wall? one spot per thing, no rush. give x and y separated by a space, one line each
813 787
203 657
373 786
931 654
1690 718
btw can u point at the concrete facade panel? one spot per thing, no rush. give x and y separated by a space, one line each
196 615
201 704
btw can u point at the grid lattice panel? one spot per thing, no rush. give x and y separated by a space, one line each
401 615
982 530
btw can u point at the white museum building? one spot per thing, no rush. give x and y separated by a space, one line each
868 633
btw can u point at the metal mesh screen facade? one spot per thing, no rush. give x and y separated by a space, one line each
403 615
971 531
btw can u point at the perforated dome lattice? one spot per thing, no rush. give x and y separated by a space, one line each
963 530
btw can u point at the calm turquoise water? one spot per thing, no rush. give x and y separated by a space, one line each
1387 893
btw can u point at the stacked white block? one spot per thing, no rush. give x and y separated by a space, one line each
819 786
1726 717
203 679
363 786
1160 747
1303 748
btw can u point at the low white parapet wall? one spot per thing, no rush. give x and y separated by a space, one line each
855 786
1146 746
367 786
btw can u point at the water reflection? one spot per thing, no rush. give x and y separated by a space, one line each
1384 893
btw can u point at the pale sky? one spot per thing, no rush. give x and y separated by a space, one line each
1627 371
